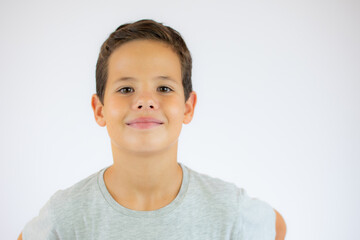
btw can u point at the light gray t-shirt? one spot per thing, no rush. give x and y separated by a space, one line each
205 208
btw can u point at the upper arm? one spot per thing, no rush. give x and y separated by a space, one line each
20 237
280 227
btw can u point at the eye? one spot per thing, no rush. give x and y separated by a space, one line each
124 88
170 90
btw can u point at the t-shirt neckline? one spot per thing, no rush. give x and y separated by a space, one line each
145 214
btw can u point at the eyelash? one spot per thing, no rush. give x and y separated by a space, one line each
170 90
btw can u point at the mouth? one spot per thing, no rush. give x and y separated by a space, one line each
144 122
144 125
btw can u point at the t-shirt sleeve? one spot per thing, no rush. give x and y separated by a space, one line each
42 226
257 218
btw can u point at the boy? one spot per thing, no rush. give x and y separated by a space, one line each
143 96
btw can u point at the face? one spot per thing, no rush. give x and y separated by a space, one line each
144 80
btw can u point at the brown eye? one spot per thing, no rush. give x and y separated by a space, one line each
169 89
163 89
124 88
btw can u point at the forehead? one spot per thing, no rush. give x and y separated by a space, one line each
144 57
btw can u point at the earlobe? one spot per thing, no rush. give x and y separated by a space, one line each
98 110
190 107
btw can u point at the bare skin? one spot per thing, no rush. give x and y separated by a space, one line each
145 175
280 227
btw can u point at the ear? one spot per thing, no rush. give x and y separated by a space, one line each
98 110
190 107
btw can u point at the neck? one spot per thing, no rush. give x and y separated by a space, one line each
144 181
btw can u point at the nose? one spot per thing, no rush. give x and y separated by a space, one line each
146 102
146 106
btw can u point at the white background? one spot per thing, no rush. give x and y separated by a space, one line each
278 109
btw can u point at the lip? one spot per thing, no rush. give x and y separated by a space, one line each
145 120
144 123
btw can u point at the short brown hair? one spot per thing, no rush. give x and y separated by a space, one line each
143 29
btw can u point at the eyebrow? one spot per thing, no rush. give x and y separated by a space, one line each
158 77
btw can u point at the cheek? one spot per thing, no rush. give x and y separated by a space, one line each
114 110
176 111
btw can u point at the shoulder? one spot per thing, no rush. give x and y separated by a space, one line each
60 210
253 218
222 190
213 188
77 190
64 202
211 198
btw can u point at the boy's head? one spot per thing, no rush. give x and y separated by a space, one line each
145 29
144 71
